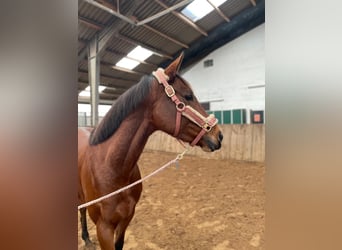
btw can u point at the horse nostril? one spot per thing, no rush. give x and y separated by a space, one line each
220 136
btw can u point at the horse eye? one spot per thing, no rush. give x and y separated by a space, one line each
189 97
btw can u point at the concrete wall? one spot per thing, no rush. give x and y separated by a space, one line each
241 142
237 65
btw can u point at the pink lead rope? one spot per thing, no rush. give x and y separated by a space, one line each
206 123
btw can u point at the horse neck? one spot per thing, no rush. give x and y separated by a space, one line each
128 142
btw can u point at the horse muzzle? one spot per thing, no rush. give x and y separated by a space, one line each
211 143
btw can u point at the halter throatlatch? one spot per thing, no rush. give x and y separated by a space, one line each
206 123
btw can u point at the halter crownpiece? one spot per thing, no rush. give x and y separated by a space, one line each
206 123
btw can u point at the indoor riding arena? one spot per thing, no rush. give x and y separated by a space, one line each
180 81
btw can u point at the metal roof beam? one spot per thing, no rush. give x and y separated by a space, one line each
83 53
183 18
91 23
102 100
109 87
132 41
82 85
114 67
124 70
83 82
107 33
219 11
124 55
113 90
94 79
164 12
166 36
105 64
124 83
109 96
112 10
83 41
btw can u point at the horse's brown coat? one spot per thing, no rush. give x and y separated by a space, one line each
112 162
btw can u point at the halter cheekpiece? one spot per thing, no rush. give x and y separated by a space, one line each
206 123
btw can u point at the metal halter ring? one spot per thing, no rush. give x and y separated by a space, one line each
207 127
180 106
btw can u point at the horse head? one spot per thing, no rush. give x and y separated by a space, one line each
177 111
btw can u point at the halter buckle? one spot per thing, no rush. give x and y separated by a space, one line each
169 91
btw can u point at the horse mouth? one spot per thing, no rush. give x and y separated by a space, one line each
210 146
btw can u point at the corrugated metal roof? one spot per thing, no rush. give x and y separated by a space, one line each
146 68
233 7
120 45
106 70
87 10
147 9
83 65
94 19
84 32
175 28
110 57
210 21
155 59
171 2
81 45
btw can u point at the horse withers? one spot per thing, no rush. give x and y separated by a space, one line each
108 154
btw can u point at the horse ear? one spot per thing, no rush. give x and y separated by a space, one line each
174 67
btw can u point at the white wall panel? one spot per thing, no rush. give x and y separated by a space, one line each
237 65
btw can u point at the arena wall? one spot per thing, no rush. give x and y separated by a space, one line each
244 142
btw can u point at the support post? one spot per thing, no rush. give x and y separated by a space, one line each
94 78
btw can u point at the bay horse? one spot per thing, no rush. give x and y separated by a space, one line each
108 154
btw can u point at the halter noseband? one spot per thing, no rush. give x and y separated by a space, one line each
206 123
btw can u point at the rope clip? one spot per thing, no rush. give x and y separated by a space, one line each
180 156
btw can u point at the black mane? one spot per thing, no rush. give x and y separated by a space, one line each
124 105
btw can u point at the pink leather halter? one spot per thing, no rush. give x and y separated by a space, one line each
206 123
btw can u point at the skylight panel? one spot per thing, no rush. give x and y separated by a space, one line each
86 92
197 9
140 53
137 55
200 8
127 63
217 3
101 88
